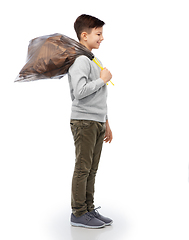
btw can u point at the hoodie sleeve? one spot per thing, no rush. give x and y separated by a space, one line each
79 73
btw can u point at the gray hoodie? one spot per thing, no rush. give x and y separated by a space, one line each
88 91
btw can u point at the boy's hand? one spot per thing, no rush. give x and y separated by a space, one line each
108 135
105 75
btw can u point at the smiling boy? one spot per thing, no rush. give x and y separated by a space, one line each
89 123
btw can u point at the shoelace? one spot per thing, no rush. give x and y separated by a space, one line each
90 215
95 212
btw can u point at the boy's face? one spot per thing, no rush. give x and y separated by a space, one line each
93 40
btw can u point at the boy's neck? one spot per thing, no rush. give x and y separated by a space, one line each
83 43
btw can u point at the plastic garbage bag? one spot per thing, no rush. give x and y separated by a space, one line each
51 56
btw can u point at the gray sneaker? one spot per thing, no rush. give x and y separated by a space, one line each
87 220
97 215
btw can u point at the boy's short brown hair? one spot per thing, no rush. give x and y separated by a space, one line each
85 23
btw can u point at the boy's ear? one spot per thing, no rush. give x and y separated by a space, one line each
84 36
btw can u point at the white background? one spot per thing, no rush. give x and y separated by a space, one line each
142 182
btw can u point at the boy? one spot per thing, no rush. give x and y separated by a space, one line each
89 123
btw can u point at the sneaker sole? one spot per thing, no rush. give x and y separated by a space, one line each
86 226
108 224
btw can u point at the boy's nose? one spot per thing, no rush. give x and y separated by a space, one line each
102 38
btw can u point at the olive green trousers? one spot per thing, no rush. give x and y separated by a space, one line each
88 138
